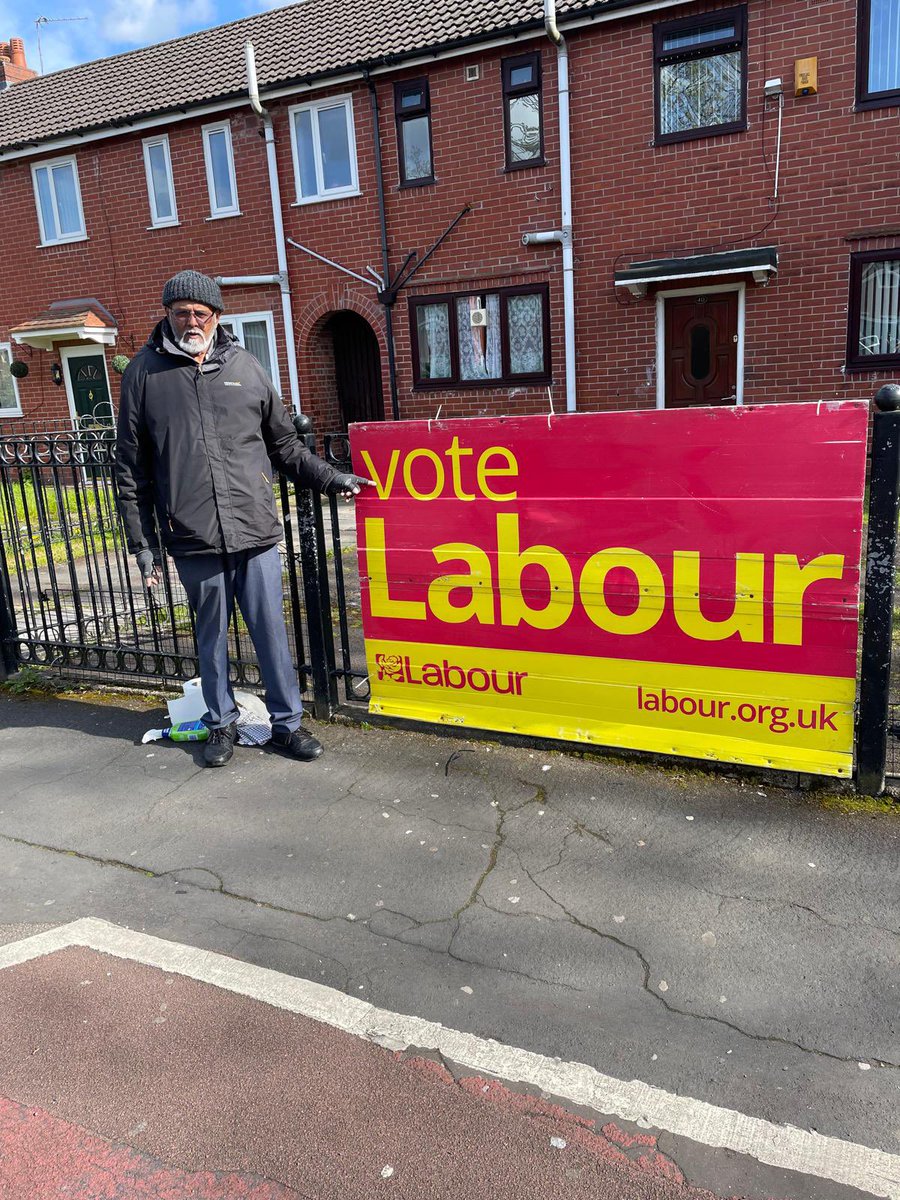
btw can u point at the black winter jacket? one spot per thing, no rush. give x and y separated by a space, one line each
197 443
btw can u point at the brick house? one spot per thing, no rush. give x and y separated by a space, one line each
734 215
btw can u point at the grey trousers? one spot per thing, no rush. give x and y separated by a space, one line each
213 583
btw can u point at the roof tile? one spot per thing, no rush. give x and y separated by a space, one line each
306 40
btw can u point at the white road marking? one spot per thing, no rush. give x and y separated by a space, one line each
862 1167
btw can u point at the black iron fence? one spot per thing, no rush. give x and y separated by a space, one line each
71 597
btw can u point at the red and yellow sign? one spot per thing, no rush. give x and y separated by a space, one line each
685 581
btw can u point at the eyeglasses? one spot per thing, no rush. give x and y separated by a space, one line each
184 315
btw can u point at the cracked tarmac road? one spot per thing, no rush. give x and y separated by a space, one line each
719 939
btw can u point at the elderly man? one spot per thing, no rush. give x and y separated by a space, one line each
200 429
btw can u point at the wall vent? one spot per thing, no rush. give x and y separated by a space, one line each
473 72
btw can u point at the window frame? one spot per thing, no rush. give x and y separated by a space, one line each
505 379
401 116
49 164
351 189
864 98
217 213
855 360
510 91
157 222
268 317
662 58
17 411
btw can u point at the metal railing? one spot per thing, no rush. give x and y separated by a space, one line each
71 597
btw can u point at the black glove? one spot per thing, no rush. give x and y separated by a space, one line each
347 485
148 563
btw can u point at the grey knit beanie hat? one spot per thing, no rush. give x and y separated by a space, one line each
191 285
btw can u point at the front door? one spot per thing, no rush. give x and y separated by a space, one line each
357 368
701 349
87 388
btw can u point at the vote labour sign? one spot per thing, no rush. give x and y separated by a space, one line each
681 581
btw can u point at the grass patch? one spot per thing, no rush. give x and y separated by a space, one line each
850 805
63 521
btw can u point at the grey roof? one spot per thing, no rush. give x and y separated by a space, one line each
309 40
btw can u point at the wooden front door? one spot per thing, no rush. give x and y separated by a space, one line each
89 390
701 350
357 367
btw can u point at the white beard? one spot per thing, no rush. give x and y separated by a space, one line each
194 341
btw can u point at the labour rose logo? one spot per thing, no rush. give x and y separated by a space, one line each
390 666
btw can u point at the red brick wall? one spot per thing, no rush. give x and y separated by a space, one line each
631 201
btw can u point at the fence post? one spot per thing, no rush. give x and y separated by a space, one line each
878 605
8 660
316 592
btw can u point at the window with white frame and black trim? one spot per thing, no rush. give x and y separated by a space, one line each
874 310
478 339
700 68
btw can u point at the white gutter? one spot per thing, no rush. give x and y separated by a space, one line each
563 235
68 141
278 221
236 280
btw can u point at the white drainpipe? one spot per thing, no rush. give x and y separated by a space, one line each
562 235
281 250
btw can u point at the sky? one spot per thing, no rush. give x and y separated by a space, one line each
112 26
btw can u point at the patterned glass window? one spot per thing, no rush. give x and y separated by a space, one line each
700 69
481 338
412 108
522 111
874 332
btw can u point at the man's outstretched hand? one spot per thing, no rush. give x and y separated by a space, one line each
149 567
348 486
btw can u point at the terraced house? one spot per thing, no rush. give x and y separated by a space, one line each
468 209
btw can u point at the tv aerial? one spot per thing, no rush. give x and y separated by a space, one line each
50 21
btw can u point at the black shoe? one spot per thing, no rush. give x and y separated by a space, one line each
298 743
219 746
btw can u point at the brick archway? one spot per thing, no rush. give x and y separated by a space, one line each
331 397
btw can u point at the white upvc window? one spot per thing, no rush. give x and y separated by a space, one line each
160 184
10 405
220 177
323 143
256 332
58 199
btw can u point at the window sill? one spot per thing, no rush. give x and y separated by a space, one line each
864 104
409 184
223 216
302 203
694 135
169 224
466 385
10 412
511 168
82 237
888 363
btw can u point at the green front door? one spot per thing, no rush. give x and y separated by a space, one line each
90 393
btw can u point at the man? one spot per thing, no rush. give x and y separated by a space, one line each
200 429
